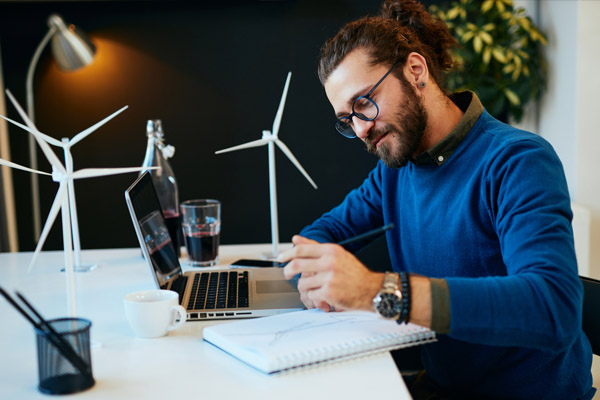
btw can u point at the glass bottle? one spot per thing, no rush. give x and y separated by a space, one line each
157 155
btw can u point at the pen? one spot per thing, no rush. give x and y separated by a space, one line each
368 234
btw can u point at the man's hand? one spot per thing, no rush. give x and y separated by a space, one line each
331 277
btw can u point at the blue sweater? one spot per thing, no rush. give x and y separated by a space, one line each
495 221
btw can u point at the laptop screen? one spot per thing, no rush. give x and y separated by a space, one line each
151 229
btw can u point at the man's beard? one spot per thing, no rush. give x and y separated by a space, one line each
411 121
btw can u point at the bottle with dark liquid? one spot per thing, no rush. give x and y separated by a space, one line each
157 155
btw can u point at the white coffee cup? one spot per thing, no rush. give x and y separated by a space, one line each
153 313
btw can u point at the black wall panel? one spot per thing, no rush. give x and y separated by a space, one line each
213 71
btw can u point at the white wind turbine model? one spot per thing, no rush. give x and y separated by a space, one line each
66 145
63 200
271 139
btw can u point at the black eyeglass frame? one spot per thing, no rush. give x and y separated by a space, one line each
341 120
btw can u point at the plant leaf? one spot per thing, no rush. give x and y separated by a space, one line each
512 97
477 44
508 68
487 55
525 23
487 5
516 73
500 6
467 36
499 55
453 12
486 37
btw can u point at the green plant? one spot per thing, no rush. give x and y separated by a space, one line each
499 55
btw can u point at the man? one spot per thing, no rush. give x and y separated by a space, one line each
482 248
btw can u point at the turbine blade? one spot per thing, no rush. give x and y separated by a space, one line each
83 134
47 138
248 145
17 166
95 172
289 155
52 158
279 114
56 204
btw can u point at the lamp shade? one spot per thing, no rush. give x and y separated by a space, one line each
70 47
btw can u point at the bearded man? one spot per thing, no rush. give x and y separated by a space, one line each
482 249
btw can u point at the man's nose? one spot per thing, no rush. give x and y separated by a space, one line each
362 127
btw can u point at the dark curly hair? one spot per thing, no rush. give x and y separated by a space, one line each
402 27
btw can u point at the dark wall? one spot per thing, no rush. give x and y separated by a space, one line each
213 72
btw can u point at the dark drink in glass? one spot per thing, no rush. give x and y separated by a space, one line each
173 222
202 247
201 226
164 258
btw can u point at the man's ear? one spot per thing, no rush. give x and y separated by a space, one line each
416 71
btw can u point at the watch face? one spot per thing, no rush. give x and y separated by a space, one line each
389 305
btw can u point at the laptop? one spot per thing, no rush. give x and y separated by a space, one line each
207 293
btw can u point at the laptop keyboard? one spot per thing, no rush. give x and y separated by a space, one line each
215 290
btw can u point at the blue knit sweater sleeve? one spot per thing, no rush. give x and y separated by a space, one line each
538 303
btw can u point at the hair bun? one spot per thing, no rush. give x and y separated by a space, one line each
430 30
409 13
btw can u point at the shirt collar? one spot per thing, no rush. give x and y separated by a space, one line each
470 104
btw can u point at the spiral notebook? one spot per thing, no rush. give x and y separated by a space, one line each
310 337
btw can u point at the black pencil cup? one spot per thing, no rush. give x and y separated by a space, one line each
56 372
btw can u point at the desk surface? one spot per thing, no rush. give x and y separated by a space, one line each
126 367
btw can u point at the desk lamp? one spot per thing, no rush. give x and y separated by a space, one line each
71 50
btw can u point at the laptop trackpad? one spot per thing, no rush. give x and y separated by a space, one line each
275 286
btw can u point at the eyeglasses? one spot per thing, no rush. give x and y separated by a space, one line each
363 108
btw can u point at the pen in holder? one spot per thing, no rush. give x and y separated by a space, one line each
64 360
57 374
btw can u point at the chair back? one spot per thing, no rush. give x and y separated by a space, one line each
591 311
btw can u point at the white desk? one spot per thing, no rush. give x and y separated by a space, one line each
180 364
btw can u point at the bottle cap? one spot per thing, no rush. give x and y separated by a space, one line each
154 128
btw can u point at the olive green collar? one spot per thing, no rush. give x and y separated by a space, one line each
470 104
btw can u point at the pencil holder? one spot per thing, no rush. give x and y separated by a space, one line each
57 373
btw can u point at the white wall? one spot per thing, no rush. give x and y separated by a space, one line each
569 109
569 112
558 112
587 167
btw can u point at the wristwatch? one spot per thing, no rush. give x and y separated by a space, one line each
393 300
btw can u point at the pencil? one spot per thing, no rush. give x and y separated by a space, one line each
366 235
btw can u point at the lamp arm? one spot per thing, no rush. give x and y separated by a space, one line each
31 71
35 195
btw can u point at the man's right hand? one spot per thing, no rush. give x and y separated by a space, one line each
331 277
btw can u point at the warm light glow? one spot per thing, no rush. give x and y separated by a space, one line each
118 75
113 67
115 71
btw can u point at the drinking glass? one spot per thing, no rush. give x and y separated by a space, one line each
201 223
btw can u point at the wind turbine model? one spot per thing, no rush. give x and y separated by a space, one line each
271 139
64 176
66 145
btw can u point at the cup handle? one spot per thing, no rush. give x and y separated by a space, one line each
182 317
